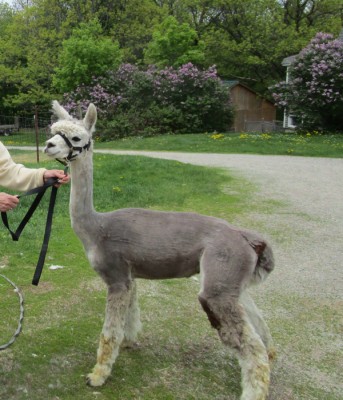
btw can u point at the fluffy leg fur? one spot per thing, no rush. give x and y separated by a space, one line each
118 299
256 320
133 323
253 359
228 317
224 274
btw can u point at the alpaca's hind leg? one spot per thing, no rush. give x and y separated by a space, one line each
224 272
118 298
256 319
235 331
132 323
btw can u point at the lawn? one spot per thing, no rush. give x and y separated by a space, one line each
179 355
310 144
314 145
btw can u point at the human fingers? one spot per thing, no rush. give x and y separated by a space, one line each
65 179
58 174
54 173
8 202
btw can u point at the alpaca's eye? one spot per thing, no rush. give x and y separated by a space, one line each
75 139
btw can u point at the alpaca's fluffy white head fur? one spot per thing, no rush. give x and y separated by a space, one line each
78 132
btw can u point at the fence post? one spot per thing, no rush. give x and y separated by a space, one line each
37 133
16 123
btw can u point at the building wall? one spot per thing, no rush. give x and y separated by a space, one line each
249 107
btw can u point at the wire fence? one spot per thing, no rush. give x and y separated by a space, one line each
35 130
263 126
25 130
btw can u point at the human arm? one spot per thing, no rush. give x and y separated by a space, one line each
8 201
16 176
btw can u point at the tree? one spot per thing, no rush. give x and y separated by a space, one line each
85 54
136 102
6 15
132 25
314 91
130 22
174 44
247 40
311 13
29 48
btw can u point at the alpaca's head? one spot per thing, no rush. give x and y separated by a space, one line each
70 137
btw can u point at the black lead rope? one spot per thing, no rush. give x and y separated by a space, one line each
44 249
40 193
15 235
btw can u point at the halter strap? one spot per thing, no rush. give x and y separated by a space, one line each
72 148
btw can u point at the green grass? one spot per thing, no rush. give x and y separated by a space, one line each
245 143
179 356
64 314
310 144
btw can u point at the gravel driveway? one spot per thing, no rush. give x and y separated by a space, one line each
312 189
303 298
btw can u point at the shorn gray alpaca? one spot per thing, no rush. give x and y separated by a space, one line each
137 243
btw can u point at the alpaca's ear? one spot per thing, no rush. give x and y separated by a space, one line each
59 111
90 118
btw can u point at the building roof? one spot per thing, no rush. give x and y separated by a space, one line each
286 62
230 84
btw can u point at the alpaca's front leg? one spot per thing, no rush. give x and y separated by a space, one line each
112 334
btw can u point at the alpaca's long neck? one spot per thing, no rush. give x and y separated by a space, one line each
81 193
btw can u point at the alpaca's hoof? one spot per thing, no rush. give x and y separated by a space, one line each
128 344
272 354
95 380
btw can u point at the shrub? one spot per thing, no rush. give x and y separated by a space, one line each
314 91
133 102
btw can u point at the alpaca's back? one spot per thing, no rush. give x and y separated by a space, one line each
158 245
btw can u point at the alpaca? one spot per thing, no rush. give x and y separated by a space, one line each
138 243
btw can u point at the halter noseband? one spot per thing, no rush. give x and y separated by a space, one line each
70 156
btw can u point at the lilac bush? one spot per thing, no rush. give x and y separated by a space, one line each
135 102
97 94
314 93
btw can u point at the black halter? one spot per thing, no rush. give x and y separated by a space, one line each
70 156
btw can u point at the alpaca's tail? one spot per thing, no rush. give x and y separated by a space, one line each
265 263
265 258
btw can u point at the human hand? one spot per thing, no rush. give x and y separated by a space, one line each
8 202
56 173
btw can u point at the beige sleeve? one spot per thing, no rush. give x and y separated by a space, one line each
16 176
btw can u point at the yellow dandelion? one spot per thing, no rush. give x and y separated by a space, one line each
217 136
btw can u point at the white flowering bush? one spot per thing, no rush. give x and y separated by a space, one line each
314 93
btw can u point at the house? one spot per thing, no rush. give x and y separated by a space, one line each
251 111
289 121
